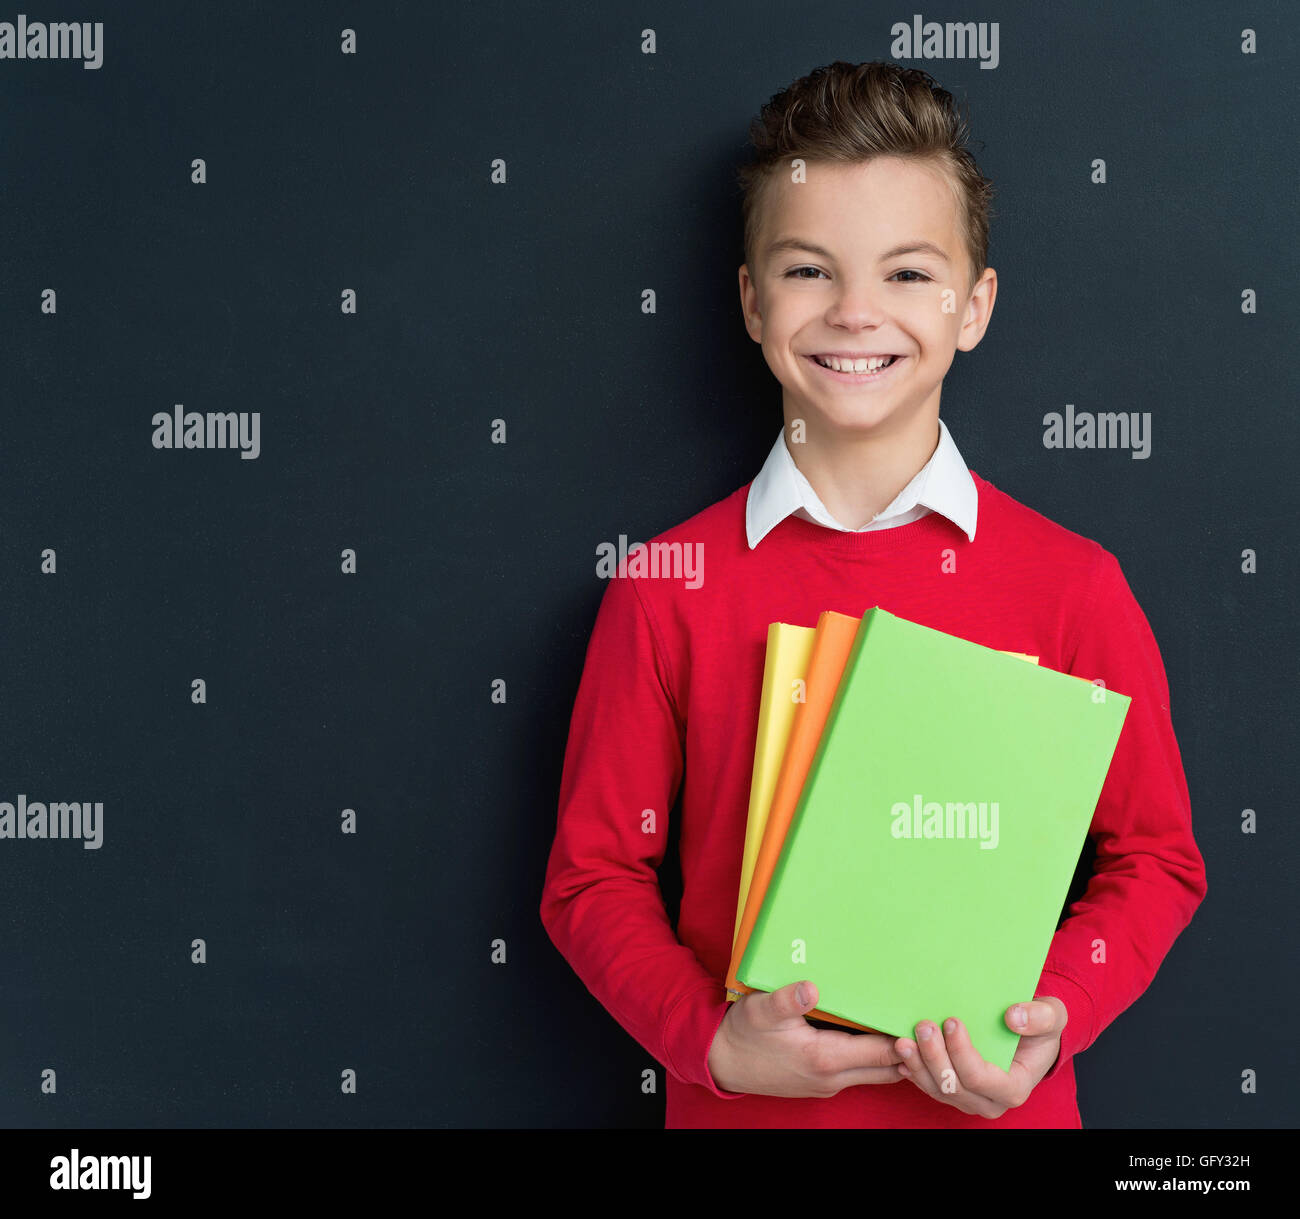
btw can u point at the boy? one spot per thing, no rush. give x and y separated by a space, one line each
866 234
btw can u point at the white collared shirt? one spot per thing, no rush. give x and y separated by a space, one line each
942 485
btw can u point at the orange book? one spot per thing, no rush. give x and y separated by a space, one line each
830 653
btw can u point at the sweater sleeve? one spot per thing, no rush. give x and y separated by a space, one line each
601 901
1149 876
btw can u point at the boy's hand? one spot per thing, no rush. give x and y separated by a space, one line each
946 1066
765 1046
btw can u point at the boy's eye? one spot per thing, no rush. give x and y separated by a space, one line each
798 273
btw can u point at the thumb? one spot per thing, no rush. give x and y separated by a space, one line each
790 1002
1040 1016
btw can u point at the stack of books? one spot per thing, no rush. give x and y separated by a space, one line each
917 809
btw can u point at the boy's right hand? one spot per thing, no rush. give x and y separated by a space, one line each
765 1046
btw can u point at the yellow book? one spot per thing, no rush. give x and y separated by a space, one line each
788 650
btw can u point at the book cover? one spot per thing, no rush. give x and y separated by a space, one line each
790 653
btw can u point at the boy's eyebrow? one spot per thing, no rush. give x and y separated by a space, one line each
907 247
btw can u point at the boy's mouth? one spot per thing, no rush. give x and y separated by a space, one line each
859 369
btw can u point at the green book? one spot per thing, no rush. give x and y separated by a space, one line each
937 834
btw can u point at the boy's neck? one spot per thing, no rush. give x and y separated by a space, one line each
856 475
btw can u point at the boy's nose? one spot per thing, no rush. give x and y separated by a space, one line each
858 307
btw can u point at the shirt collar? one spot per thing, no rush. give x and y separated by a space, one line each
944 485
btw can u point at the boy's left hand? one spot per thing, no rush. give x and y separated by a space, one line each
948 1067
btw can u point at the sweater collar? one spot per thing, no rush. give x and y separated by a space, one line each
944 485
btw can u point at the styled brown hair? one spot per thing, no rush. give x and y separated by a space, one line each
850 113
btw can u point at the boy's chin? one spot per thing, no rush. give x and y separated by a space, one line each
845 420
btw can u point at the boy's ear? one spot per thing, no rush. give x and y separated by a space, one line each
979 309
749 305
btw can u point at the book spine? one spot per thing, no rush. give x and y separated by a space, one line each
767 696
771 665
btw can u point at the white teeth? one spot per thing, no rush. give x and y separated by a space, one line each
857 366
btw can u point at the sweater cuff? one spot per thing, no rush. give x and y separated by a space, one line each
1076 1035
688 1034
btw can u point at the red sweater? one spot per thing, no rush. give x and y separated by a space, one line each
668 702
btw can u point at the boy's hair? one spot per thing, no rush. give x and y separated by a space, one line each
850 113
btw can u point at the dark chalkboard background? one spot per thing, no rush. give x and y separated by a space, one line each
477 301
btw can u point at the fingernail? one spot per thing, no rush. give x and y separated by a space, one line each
923 1031
905 1071
801 994
906 1051
1018 1017
950 1026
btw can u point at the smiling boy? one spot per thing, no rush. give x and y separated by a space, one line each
866 232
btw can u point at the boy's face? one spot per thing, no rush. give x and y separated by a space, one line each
851 284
